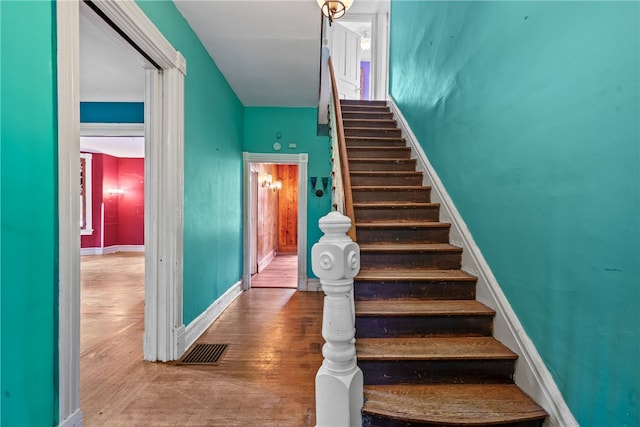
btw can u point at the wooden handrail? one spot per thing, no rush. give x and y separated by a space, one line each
344 160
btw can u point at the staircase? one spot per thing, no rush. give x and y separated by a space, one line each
424 343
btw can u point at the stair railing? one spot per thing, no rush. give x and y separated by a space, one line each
342 196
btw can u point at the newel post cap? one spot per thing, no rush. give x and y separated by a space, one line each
335 256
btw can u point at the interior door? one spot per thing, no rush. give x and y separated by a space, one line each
345 54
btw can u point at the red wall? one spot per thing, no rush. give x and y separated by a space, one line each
131 206
123 213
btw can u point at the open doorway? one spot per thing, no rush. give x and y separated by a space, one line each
112 184
274 193
164 72
358 48
261 173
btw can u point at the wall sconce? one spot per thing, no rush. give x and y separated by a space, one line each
267 181
334 9
319 192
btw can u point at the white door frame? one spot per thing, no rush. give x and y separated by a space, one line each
164 169
302 161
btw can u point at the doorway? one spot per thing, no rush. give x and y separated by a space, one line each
275 217
164 81
274 237
358 46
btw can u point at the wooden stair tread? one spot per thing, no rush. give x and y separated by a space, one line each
408 247
400 274
452 404
385 173
394 204
432 348
345 121
386 188
373 138
411 307
402 224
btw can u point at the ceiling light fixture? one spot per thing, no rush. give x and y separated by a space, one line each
334 9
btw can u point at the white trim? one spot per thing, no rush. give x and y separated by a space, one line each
74 420
164 170
88 198
302 161
111 129
68 47
111 249
531 374
262 264
197 326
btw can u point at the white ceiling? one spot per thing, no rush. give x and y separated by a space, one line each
117 146
268 50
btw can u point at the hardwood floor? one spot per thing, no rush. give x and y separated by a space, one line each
266 377
282 272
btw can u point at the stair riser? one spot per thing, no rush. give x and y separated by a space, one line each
421 260
428 213
389 181
391 132
362 102
423 326
350 115
358 108
372 166
395 235
429 290
370 123
374 420
422 195
379 153
497 371
372 142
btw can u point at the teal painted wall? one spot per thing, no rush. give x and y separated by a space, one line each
530 113
112 112
296 125
212 168
28 213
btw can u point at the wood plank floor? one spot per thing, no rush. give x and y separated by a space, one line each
266 377
282 272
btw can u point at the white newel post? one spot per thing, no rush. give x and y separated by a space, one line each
339 384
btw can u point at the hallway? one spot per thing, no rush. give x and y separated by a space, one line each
265 378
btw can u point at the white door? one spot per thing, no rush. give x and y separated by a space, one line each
345 54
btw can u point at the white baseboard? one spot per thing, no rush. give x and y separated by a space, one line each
111 249
531 375
188 336
73 420
311 285
264 262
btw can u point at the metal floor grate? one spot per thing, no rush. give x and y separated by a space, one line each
204 354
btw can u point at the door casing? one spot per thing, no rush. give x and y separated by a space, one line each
164 151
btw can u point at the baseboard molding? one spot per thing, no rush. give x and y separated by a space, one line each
264 262
188 336
532 374
111 249
74 420
311 285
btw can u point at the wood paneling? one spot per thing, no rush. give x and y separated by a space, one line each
288 209
267 216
